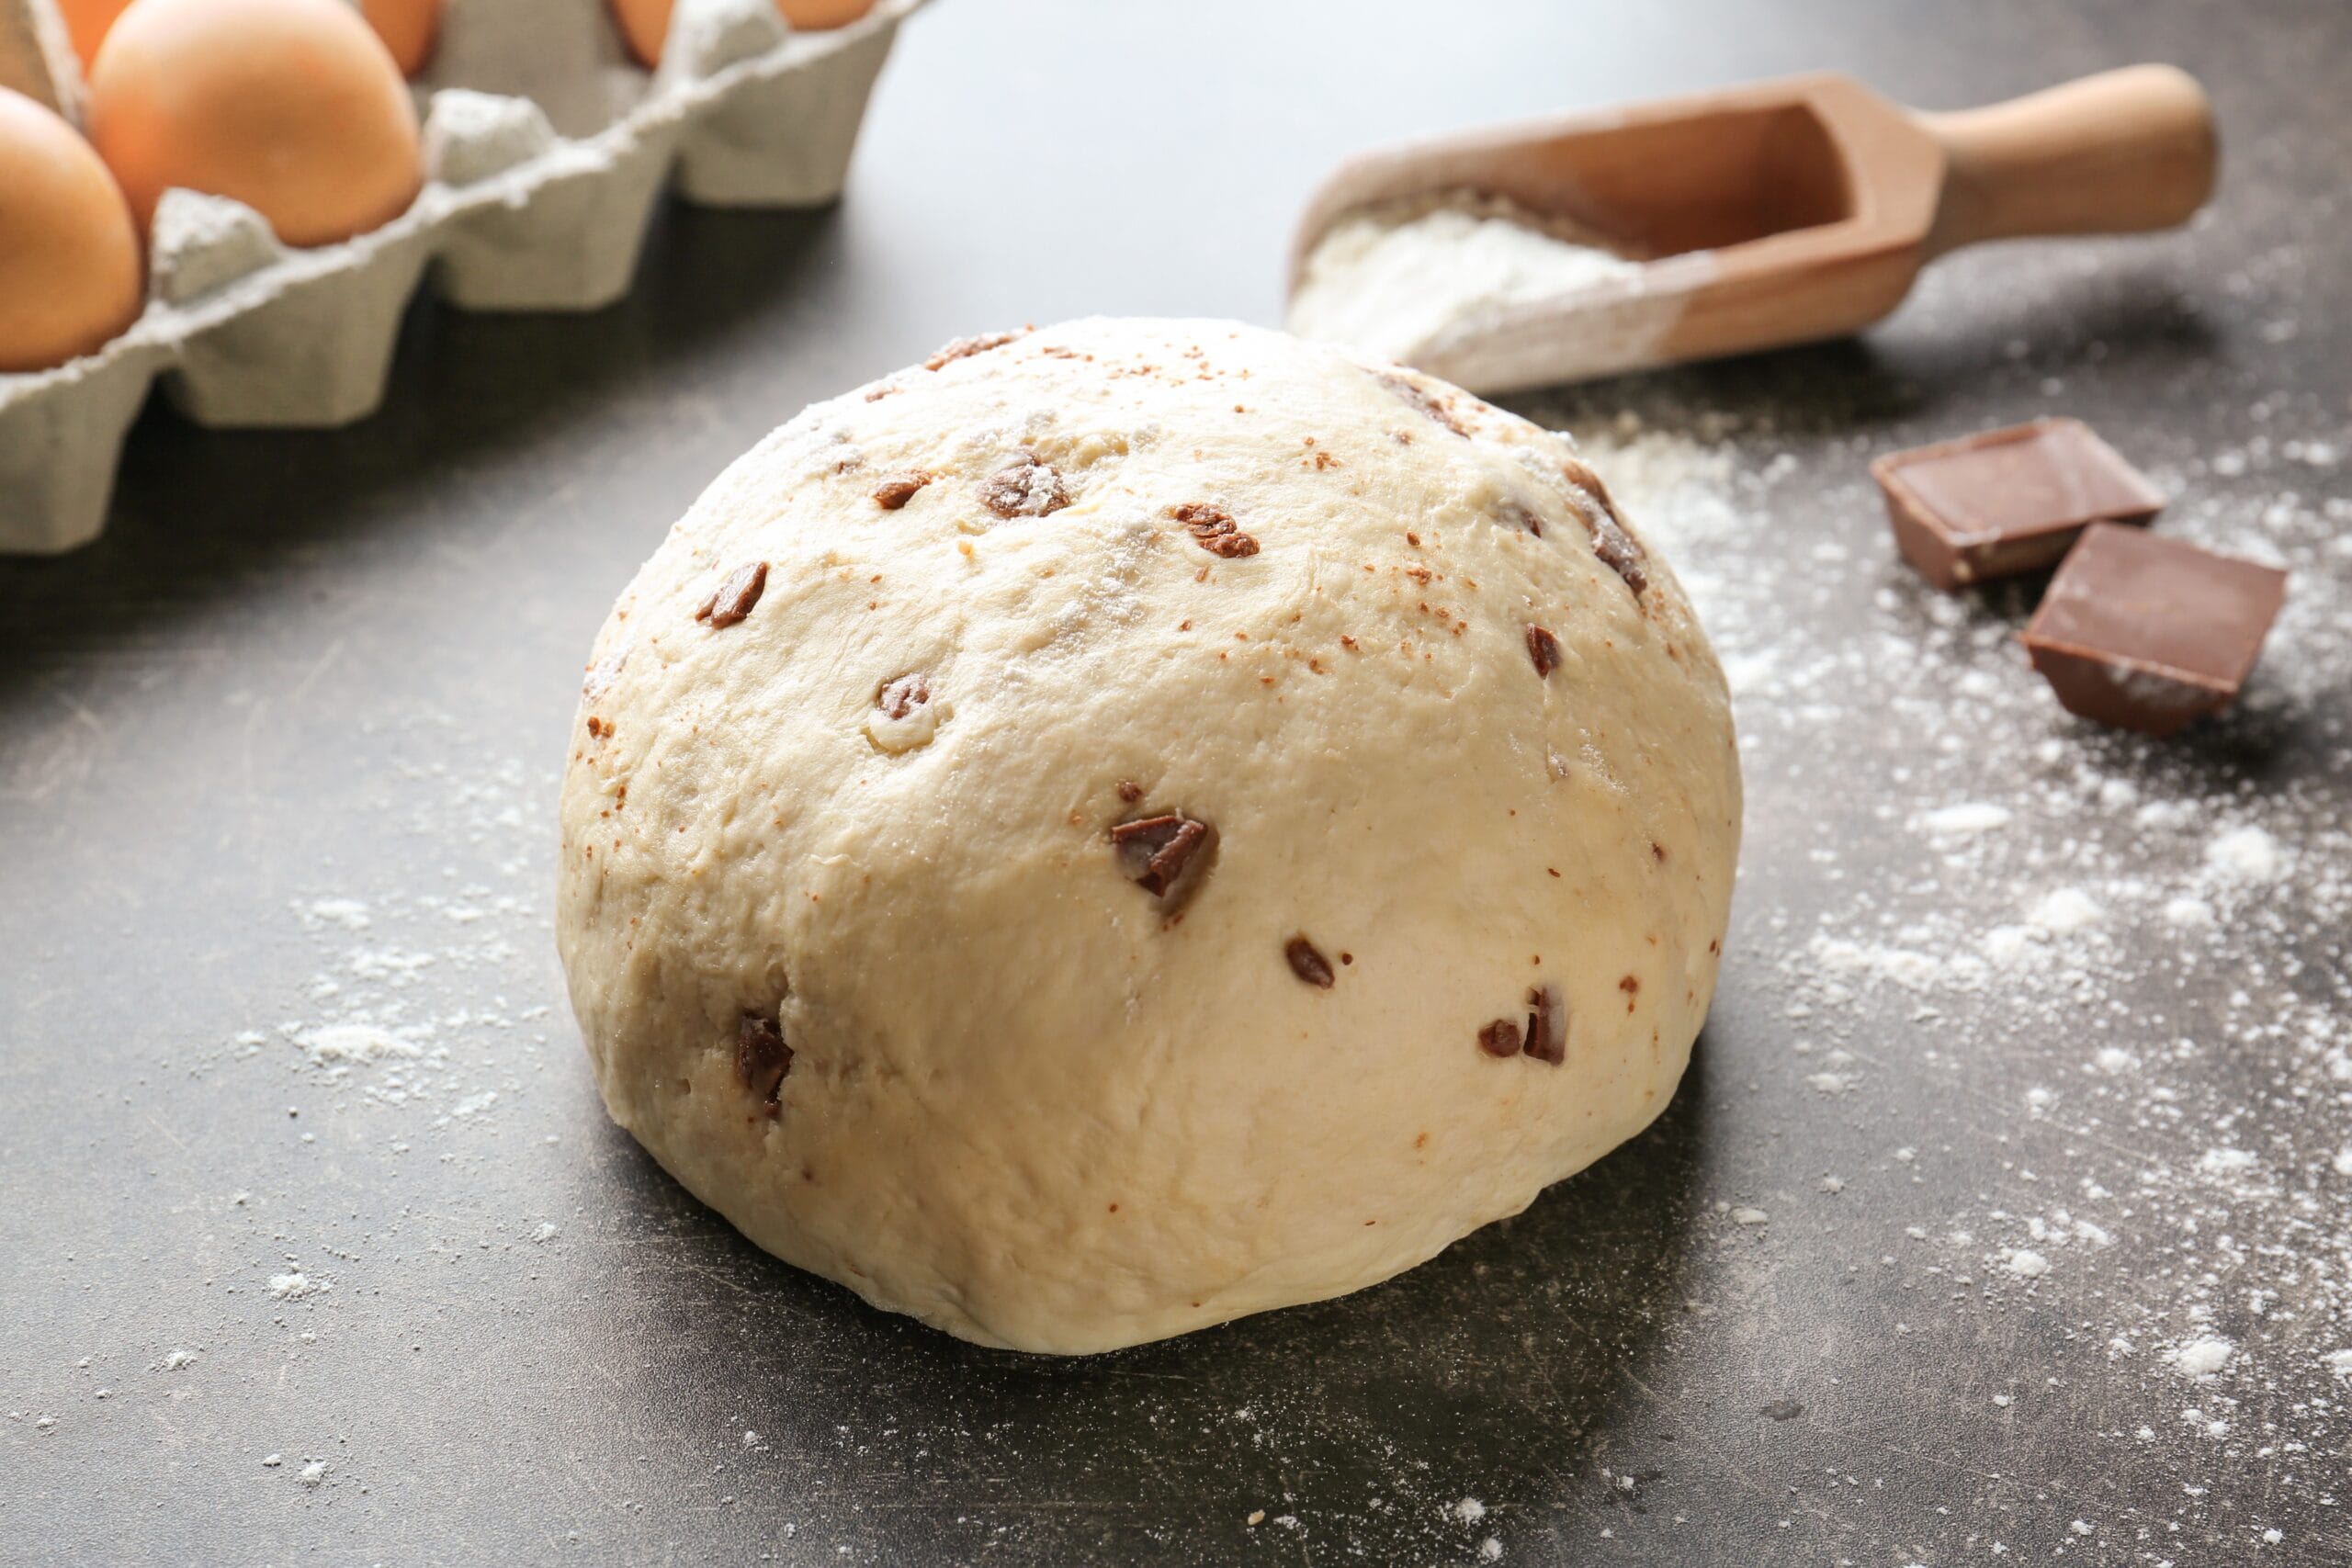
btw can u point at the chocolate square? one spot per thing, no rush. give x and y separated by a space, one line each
2148 633
2004 502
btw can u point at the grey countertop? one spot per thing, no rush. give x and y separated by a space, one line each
2004 1211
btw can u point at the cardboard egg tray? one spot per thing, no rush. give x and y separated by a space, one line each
546 147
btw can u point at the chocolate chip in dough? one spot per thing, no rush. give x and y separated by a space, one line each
900 489
1027 488
1213 530
762 1058
735 598
1500 1038
1158 852
965 347
1306 962
901 697
1612 542
1543 650
1547 1025
1428 403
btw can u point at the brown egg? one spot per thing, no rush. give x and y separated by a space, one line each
69 256
291 106
408 28
87 22
816 16
646 23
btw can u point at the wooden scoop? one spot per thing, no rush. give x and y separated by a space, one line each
1784 211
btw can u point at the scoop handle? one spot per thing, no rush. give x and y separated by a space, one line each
2118 153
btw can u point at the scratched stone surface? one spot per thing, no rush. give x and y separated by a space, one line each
2003 1213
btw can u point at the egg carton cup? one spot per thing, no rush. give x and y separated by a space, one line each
545 150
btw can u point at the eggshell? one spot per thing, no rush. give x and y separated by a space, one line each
87 22
291 106
69 256
408 28
645 24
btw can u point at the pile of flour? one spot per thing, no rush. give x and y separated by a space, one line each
1400 279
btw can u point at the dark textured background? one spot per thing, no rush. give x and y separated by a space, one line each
331 665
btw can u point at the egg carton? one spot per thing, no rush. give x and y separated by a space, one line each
545 151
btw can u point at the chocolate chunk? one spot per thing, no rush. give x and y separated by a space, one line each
1500 1038
1429 404
2004 502
1306 962
900 489
762 1058
2148 633
901 697
1029 488
1213 530
1613 542
1619 552
1513 513
1545 649
733 599
1130 791
965 347
1157 852
1547 1025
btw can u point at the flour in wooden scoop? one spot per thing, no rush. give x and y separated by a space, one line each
1405 278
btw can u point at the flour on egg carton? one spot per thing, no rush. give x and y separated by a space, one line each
544 149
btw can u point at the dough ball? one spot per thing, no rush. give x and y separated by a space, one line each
1125 825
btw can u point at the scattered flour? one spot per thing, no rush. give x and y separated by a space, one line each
1972 817
348 913
2246 854
2227 1162
2203 1357
2066 910
353 1042
294 1286
2188 911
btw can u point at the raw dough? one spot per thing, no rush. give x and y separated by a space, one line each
858 955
